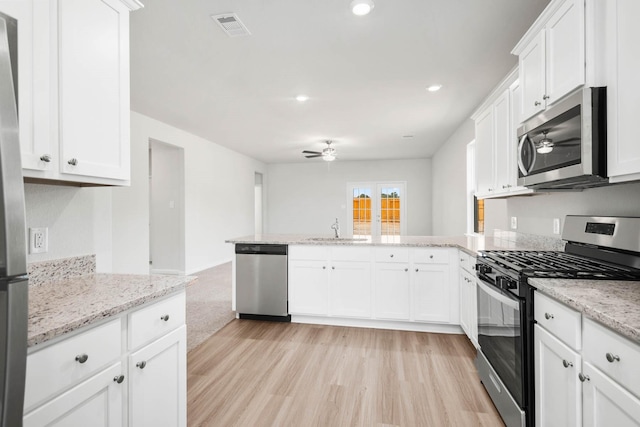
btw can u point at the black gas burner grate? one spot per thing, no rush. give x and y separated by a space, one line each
558 265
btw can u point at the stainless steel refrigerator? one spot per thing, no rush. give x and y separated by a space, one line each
13 256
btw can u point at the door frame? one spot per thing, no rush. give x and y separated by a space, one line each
376 189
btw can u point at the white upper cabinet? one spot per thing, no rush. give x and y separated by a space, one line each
80 104
551 56
485 170
622 59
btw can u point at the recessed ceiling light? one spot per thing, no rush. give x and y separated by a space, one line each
407 136
302 98
434 88
361 7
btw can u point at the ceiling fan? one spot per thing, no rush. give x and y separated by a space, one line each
546 144
328 154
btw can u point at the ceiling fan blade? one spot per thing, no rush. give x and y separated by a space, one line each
311 152
314 155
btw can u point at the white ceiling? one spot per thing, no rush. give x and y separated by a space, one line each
365 76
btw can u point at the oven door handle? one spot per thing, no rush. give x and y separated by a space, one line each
498 295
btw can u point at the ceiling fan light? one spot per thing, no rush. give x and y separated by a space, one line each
361 7
329 157
544 149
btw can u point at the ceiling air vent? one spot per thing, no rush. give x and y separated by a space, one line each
231 24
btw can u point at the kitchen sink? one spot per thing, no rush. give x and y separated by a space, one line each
338 239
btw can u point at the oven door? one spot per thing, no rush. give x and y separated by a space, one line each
500 336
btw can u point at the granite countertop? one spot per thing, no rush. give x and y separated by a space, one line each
615 304
470 244
63 306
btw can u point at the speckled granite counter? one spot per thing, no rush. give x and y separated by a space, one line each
501 240
59 307
615 304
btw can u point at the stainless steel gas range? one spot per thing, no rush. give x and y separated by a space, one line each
606 248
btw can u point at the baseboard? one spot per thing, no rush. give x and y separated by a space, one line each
193 271
379 324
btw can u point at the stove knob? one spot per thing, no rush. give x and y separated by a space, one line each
484 269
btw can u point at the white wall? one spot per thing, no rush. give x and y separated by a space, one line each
219 199
78 219
535 213
450 182
307 197
166 208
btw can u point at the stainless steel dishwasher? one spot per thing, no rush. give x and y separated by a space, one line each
261 282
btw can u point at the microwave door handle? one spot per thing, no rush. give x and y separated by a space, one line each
535 153
523 169
493 293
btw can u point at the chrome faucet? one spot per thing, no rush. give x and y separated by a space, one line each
336 228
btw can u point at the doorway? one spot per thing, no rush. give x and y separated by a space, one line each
377 209
166 208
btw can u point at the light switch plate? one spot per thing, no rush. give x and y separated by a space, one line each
556 225
514 223
38 240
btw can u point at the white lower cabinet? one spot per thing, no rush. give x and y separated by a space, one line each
157 382
469 306
97 401
91 379
605 402
383 283
557 394
585 373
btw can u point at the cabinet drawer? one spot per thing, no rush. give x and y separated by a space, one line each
393 254
55 368
467 262
560 320
155 320
308 252
346 253
602 345
431 256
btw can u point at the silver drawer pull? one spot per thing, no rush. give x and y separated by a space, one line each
324 267
430 256
417 270
406 269
566 363
391 256
81 358
73 162
165 317
548 316
141 365
45 158
118 379
583 377
612 358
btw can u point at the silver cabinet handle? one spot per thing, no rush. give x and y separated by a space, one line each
489 189
545 97
548 316
333 268
583 377
406 269
141 365
536 103
81 358
118 379
566 363
461 259
324 267
391 256
417 270
430 256
73 161
165 317
45 158
612 358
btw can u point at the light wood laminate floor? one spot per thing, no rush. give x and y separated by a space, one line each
282 374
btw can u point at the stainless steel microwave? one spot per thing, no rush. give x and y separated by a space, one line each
565 146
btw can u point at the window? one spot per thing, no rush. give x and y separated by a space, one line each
378 209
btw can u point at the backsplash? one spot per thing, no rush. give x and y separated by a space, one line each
543 243
60 269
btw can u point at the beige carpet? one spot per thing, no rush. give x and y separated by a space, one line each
208 304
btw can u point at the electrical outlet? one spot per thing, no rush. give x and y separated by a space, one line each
38 240
556 225
514 223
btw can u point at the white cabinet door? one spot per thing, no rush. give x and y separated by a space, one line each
557 387
565 50
157 382
350 289
502 140
531 75
308 287
605 403
623 91
97 401
431 289
392 293
93 93
465 303
484 153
